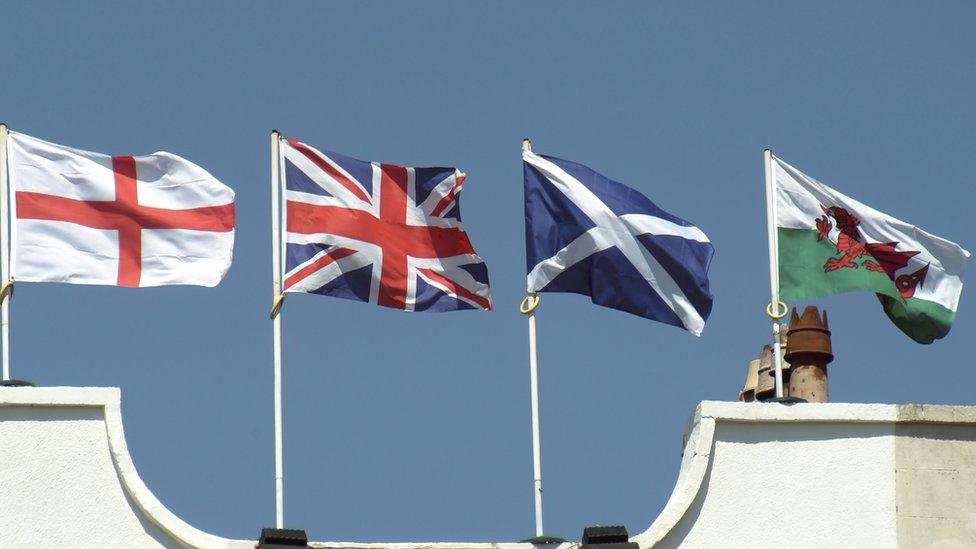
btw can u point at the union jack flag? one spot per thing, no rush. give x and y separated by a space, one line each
377 232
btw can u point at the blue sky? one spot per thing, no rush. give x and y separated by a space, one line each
416 427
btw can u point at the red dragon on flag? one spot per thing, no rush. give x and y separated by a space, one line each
880 257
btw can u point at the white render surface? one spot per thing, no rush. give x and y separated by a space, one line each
752 475
67 479
823 475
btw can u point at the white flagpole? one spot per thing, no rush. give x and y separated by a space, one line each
774 308
527 307
5 261
276 322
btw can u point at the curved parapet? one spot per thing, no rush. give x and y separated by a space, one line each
823 475
752 475
67 480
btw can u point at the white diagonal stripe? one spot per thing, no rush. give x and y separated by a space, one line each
330 272
365 251
450 267
439 192
579 249
341 194
612 231
648 224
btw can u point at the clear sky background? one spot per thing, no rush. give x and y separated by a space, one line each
410 427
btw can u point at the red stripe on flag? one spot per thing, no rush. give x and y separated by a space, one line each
393 214
130 233
104 214
448 198
417 240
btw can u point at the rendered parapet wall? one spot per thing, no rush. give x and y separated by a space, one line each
752 475
823 475
66 478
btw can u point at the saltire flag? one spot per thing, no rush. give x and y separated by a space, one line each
376 232
829 243
81 217
590 235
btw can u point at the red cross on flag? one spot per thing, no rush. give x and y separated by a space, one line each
87 218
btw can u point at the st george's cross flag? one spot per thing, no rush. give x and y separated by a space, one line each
590 235
376 232
81 217
829 243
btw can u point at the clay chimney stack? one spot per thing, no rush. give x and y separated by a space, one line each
748 392
760 382
808 352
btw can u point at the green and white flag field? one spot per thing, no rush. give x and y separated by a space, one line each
829 243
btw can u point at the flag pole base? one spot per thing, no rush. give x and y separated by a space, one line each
282 538
16 383
787 400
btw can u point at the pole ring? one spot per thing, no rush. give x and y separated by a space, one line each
7 290
279 300
776 315
529 304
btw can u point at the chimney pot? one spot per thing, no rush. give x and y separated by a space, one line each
809 334
808 350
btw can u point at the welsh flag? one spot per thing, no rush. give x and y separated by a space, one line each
830 243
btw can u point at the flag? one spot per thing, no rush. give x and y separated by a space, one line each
379 233
81 217
590 235
829 243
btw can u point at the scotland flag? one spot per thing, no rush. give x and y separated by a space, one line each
590 235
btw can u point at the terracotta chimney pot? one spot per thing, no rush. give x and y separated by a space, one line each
808 350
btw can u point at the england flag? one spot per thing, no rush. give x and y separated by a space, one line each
81 217
590 235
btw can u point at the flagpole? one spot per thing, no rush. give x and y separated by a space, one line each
528 307
776 308
276 322
7 288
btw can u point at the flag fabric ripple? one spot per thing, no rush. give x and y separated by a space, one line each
81 217
379 233
829 243
590 235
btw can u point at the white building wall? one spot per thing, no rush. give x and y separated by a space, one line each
823 475
59 485
935 482
794 485
752 475
67 480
